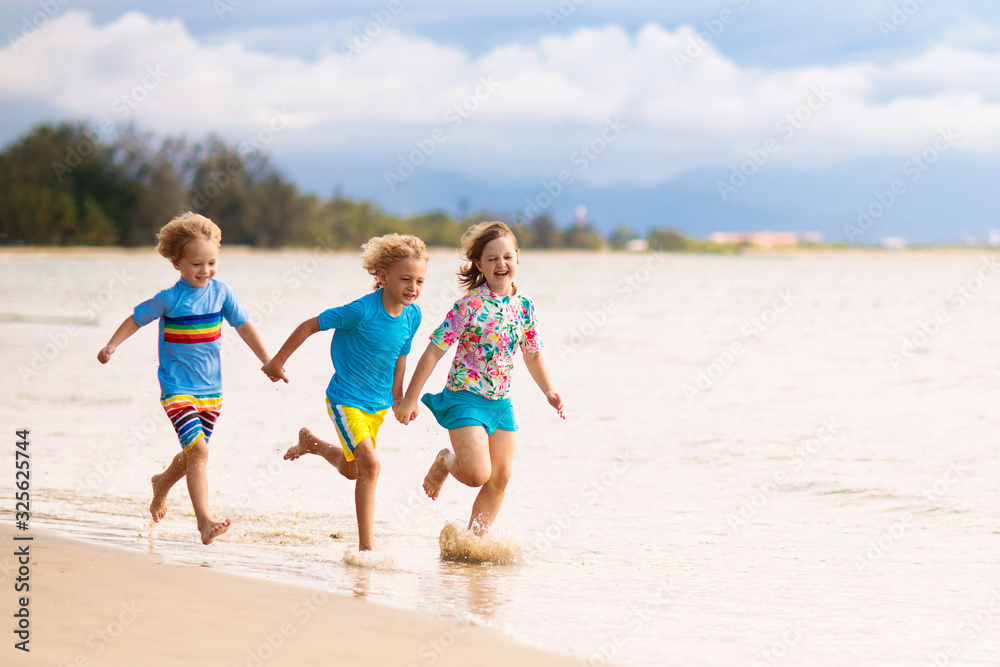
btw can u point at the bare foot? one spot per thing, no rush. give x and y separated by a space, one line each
158 508
307 445
212 529
435 477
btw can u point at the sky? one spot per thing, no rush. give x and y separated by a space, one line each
700 115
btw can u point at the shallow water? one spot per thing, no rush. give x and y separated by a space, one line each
767 460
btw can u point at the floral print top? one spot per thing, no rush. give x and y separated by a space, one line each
489 327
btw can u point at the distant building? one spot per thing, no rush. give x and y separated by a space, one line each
637 245
767 239
812 238
893 243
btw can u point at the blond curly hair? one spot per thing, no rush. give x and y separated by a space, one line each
381 252
174 236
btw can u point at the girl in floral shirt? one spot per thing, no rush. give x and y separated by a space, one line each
489 324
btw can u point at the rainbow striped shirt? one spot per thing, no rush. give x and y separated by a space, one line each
191 329
190 334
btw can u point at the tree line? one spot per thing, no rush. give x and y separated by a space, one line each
67 184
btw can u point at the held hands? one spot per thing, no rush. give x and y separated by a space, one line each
405 410
104 356
274 371
555 400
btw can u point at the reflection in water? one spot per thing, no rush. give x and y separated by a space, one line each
362 583
487 592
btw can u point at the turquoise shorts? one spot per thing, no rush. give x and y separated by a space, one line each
455 409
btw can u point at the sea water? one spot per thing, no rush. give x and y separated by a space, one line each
767 460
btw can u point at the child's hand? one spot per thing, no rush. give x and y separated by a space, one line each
555 400
105 354
274 371
405 411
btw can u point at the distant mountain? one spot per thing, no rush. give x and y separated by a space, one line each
946 202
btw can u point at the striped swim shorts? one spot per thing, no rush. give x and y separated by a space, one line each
354 425
193 416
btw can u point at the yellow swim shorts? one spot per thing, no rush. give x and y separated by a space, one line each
353 426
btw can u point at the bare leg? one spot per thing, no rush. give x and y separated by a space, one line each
197 480
332 452
490 498
469 464
368 468
162 483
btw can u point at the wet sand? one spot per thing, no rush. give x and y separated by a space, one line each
92 605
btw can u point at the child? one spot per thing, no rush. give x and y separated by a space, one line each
489 323
190 314
372 338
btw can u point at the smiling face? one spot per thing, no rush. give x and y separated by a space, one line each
198 264
402 283
498 264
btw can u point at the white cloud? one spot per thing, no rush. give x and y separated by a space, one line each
523 108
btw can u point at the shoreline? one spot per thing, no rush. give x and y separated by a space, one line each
748 251
100 605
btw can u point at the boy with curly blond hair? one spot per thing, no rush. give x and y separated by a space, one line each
371 340
190 315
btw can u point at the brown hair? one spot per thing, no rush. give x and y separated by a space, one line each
174 236
381 252
474 242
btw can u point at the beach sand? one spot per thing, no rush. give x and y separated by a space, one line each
92 605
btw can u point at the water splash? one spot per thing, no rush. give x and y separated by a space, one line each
374 560
460 544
